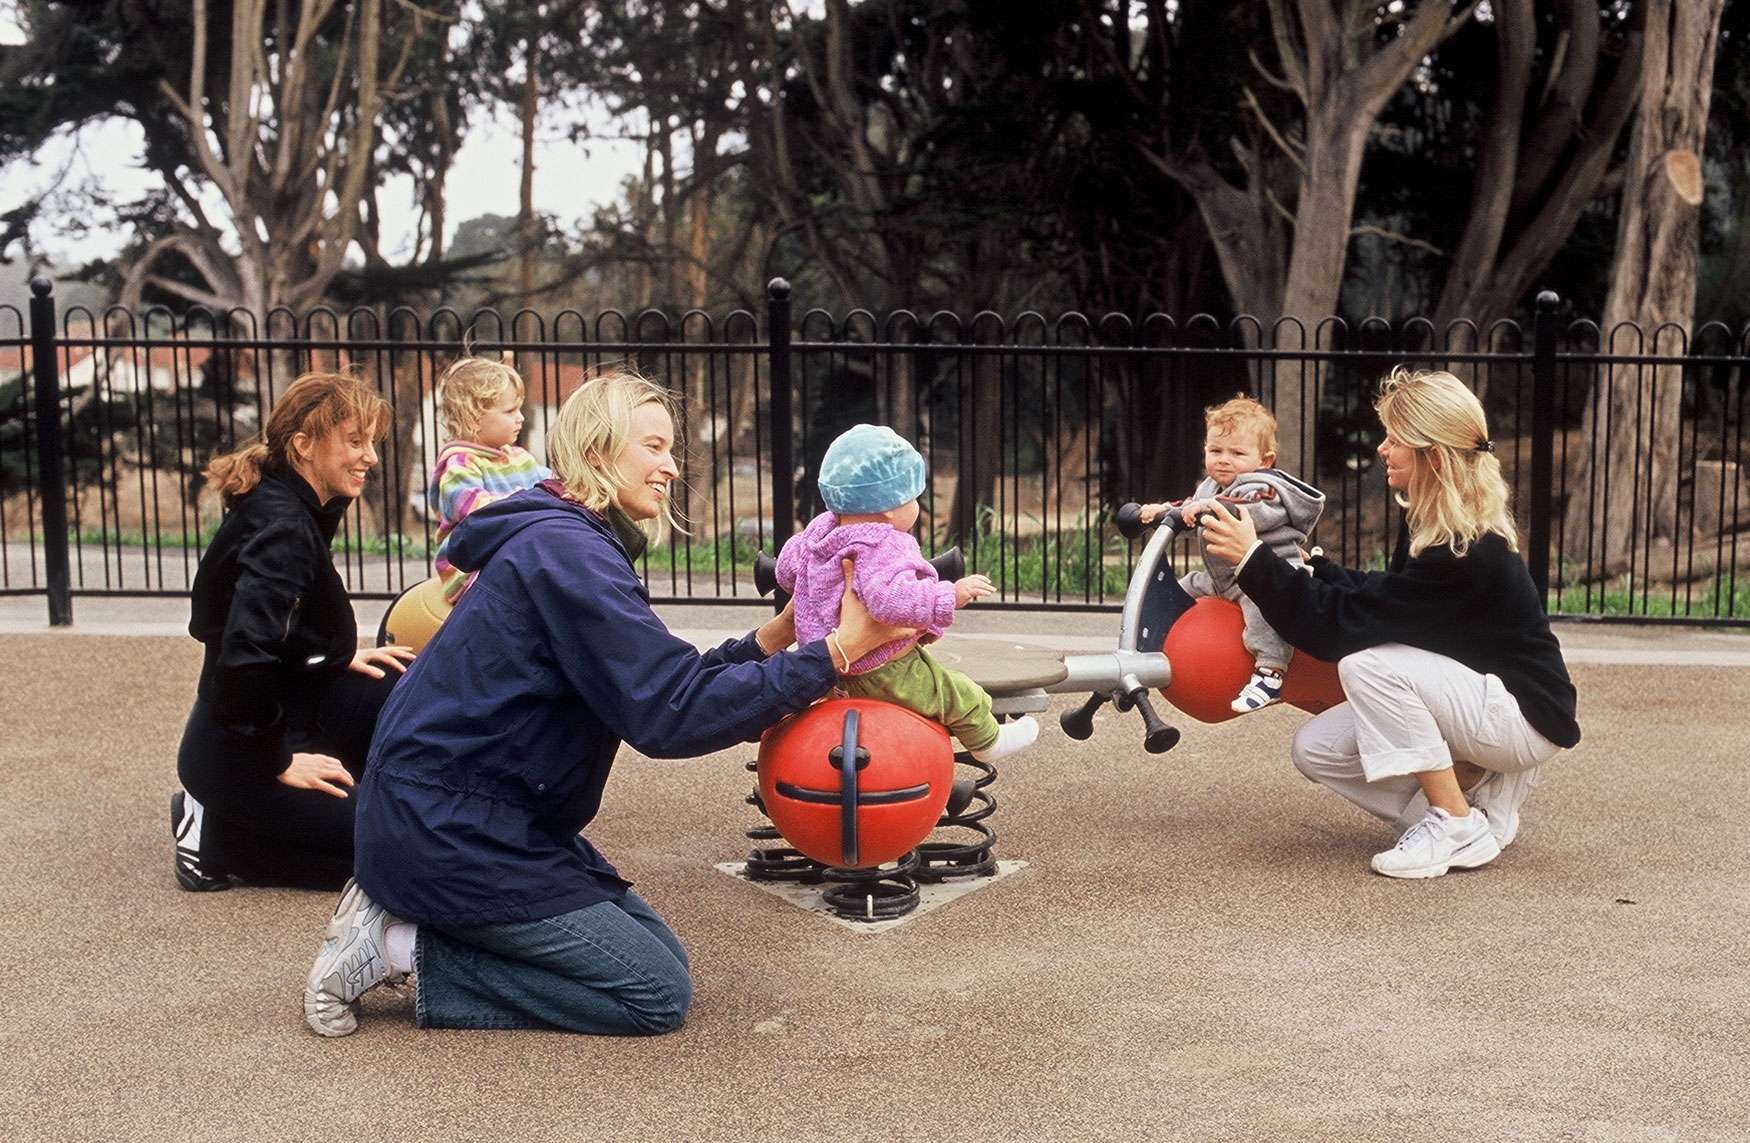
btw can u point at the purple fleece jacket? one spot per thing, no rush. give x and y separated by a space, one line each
892 578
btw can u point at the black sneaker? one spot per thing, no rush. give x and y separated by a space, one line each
191 873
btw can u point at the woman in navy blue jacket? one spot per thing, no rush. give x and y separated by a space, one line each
491 756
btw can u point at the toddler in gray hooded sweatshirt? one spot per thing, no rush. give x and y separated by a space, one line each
1239 448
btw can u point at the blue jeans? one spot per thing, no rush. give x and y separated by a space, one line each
613 968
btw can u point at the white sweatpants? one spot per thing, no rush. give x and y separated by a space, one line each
1411 711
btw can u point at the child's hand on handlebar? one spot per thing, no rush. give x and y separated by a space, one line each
972 587
1152 512
1190 510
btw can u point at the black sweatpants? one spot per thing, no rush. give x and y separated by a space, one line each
264 831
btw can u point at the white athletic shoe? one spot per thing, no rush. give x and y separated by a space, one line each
1501 795
1012 738
1437 843
353 960
1263 689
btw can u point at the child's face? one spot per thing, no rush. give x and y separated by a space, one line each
503 423
1228 456
904 516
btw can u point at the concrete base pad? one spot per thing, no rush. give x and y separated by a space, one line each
930 896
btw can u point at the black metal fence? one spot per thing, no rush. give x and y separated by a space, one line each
1034 429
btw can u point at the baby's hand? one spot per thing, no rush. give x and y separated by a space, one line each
1189 511
972 587
1152 512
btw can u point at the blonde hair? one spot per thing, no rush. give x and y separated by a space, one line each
472 386
592 427
1239 414
316 405
1458 496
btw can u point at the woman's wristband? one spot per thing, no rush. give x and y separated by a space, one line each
1256 544
835 643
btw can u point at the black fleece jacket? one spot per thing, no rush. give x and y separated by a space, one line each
274 616
1480 609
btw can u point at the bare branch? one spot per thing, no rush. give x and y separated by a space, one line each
1276 205
1294 67
194 110
1280 83
1293 152
1394 236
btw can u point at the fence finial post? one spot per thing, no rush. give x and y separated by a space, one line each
1543 434
51 467
780 428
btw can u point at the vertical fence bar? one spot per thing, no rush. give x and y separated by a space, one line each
1543 432
51 472
783 462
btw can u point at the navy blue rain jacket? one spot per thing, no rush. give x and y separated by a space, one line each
491 753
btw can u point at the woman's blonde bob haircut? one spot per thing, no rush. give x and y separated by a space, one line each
316 405
592 428
471 387
1456 496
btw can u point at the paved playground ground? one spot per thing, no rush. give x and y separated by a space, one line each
1196 949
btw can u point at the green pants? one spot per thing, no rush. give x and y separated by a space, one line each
917 682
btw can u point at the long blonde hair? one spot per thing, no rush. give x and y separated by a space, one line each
592 427
315 404
1458 495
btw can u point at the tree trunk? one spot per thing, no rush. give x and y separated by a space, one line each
1335 140
525 219
1530 190
1625 493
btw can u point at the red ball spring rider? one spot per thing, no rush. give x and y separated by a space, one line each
1211 664
854 783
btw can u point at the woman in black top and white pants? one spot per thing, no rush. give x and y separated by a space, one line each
1457 690
287 702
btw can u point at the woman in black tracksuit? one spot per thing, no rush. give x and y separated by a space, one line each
1458 695
286 703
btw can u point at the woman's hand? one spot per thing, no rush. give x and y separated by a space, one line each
316 772
859 632
1227 536
972 587
779 631
395 655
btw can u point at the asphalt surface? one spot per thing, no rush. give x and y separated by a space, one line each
1196 949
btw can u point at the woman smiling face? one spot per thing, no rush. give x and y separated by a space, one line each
645 467
336 464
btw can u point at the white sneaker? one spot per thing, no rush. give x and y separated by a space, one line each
1501 795
1437 843
1263 689
1012 738
353 960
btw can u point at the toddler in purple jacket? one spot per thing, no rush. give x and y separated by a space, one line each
870 479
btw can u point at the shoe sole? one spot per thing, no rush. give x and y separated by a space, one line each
317 1014
1473 856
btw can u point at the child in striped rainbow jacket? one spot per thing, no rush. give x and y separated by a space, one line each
481 403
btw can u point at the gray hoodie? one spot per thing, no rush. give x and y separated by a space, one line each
1283 509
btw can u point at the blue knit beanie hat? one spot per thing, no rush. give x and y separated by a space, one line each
870 468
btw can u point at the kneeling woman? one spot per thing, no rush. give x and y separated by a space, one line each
283 717
1456 686
493 752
